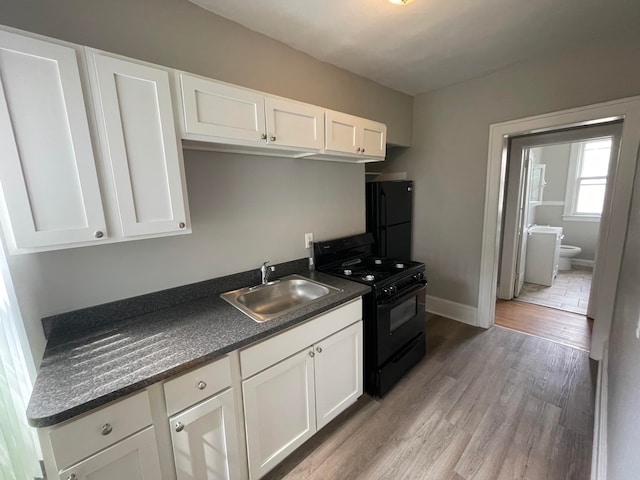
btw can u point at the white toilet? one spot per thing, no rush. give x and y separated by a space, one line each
567 252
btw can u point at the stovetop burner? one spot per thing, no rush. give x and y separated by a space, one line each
353 258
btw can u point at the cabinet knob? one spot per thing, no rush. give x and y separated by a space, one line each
358 150
319 349
311 354
179 427
72 477
273 139
263 136
98 234
182 224
362 150
202 385
106 429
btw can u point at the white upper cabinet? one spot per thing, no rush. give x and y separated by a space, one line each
213 109
140 146
78 172
229 118
293 124
48 173
374 138
354 137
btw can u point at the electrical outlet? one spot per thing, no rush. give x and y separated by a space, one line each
308 240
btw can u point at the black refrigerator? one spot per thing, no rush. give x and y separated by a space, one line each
389 208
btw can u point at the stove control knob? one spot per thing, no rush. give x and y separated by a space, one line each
418 276
390 290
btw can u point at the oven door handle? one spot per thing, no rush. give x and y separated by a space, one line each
402 296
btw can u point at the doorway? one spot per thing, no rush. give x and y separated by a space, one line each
617 203
553 203
554 199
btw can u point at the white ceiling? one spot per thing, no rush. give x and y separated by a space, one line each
428 44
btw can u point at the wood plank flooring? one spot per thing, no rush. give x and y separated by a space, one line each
482 405
568 328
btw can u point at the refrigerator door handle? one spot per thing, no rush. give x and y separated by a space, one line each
383 210
383 241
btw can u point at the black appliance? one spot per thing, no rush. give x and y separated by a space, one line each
393 312
389 207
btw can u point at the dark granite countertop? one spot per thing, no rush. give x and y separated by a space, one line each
88 368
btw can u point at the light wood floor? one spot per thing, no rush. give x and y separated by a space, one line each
568 328
483 405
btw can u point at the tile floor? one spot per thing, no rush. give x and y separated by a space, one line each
569 292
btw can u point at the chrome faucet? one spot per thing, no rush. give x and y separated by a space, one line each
265 270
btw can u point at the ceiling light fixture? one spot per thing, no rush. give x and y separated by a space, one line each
400 2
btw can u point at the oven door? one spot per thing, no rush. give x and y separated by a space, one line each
399 320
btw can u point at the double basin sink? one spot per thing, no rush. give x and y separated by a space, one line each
268 301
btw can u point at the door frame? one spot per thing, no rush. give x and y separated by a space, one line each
613 231
510 243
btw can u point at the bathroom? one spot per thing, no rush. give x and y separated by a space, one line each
567 184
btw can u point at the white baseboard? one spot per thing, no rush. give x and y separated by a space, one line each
453 310
583 263
599 452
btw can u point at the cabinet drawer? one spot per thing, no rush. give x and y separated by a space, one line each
196 385
277 348
77 439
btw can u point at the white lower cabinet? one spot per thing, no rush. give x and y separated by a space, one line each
279 405
292 384
115 441
205 441
135 458
288 402
338 373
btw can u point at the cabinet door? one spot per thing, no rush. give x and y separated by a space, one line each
206 447
213 109
279 406
374 138
294 124
341 132
139 144
338 372
135 458
48 172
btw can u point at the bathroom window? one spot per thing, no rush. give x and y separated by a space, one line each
587 179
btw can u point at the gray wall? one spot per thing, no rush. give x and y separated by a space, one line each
448 161
581 234
623 429
244 209
178 34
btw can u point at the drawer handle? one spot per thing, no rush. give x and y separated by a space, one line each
319 349
106 429
202 385
179 427
311 354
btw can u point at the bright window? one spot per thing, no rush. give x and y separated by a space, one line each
587 179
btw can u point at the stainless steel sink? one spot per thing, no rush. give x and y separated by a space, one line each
266 302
